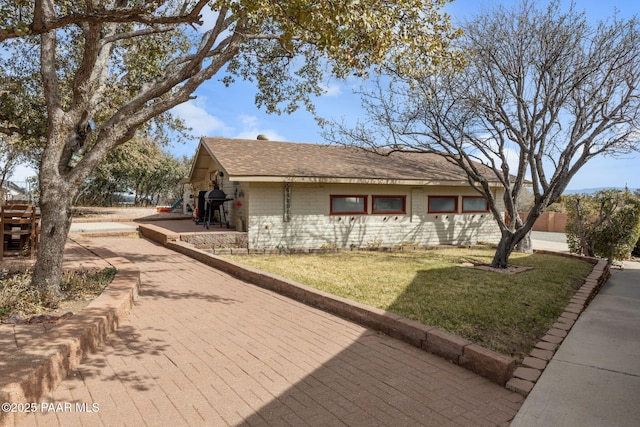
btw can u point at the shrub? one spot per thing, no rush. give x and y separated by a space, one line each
604 224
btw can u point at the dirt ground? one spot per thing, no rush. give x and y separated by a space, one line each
120 213
123 213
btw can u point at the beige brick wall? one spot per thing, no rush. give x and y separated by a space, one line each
312 226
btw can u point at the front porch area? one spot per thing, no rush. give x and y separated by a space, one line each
215 237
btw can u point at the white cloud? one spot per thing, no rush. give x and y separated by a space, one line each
251 128
332 90
22 172
248 120
197 118
252 133
209 18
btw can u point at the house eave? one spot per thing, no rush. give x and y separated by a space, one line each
337 180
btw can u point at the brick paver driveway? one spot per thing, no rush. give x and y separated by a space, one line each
202 348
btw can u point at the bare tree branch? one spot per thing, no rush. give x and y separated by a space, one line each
543 94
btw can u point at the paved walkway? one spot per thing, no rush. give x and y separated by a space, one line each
594 377
204 349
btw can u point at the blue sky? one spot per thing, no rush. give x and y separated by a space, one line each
231 112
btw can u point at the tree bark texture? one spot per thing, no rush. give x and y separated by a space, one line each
515 236
503 251
55 207
525 245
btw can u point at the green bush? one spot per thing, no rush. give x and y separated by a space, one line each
604 224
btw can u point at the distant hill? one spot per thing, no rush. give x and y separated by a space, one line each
594 190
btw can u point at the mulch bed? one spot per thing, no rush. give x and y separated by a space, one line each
512 269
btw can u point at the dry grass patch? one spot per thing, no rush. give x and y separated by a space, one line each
506 313
17 297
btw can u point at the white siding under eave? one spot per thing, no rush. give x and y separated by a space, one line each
312 226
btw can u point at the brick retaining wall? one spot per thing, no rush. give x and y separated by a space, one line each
554 222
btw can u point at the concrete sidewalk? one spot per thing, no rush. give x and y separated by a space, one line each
202 348
556 242
594 377
103 227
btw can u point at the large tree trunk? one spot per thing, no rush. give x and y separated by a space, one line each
55 206
520 239
503 251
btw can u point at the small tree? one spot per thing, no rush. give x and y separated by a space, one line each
543 93
139 166
604 224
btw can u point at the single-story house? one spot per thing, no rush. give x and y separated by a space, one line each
13 191
305 196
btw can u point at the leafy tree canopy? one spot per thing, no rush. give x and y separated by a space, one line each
84 76
140 167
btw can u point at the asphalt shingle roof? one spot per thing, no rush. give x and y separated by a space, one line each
242 157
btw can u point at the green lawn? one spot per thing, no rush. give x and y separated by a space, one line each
506 313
